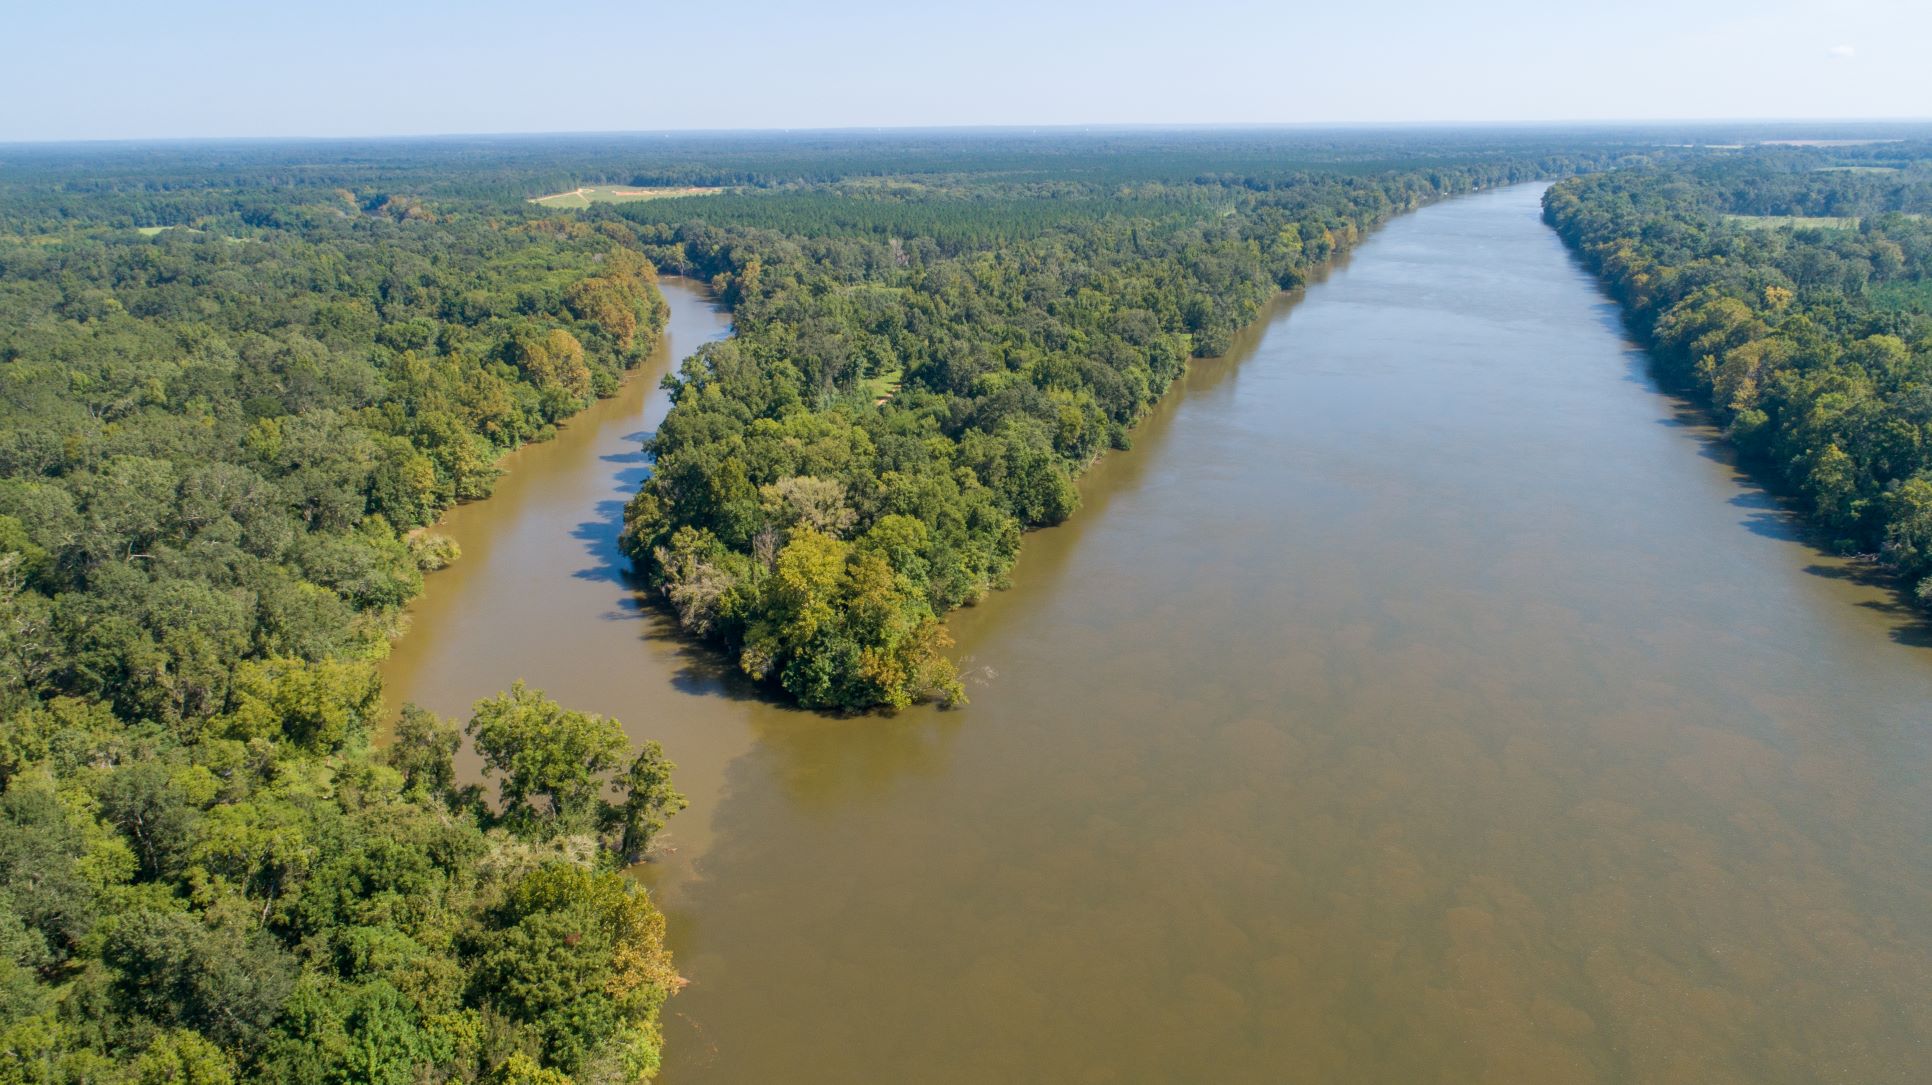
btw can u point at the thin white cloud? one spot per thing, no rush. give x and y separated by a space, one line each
1843 52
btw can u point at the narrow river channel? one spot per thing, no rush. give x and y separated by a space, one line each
1423 698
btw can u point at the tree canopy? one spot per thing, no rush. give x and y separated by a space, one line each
919 373
222 450
1793 297
240 382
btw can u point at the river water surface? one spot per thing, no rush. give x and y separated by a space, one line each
1424 698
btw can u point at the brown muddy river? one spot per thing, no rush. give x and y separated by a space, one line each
1424 698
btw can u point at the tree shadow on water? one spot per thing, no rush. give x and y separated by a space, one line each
1766 516
1910 625
599 534
1769 516
1710 441
703 670
1610 318
821 759
1681 409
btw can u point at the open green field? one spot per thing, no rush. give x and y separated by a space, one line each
589 194
157 231
883 386
1772 222
1814 222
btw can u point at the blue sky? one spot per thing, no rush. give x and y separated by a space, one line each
186 68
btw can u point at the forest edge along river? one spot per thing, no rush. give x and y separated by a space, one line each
1423 697
542 594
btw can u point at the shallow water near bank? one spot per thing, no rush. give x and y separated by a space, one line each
541 592
1424 698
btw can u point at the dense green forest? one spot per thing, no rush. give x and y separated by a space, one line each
1790 290
221 446
240 381
920 370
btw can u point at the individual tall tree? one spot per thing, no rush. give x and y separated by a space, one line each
554 762
423 748
649 801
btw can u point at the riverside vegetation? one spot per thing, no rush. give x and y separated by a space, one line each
918 373
239 383
1810 343
220 446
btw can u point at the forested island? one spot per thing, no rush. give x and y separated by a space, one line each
919 372
1789 289
239 383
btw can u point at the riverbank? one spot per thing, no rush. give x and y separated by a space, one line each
1485 748
818 537
1525 740
1813 380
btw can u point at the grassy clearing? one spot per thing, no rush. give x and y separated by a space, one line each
1772 222
157 231
1824 142
584 197
884 386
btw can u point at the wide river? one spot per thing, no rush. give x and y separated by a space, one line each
1423 698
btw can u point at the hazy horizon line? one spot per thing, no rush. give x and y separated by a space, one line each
1110 126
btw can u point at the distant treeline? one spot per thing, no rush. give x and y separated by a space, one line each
165 183
919 373
1810 342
